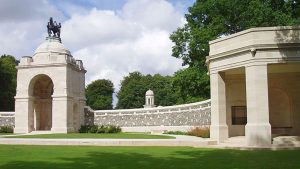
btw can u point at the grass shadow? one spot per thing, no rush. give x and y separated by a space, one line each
68 157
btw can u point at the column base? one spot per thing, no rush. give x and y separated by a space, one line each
219 132
258 135
21 130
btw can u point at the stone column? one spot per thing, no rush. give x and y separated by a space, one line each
59 114
218 128
24 118
258 128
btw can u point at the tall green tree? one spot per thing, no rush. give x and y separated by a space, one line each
163 90
190 85
210 19
131 93
99 94
8 82
135 85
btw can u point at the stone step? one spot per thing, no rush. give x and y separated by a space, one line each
286 141
40 132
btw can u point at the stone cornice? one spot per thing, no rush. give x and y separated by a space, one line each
51 65
41 65
252 62
258 29
251 49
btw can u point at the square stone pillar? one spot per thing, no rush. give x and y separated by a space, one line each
59 114
258 128
218 128
24 122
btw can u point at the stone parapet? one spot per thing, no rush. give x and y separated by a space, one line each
7 118
261 37
179 117
256 46
194 114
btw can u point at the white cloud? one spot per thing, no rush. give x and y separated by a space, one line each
22 23
98 26
114 43
110 43
26 10
149 53
152 14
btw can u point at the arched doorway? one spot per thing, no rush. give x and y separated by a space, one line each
41 89
280 112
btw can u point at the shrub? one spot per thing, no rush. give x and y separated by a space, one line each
114 129
84 129
100 129
199 132
6 129
93 129
110 129
176 132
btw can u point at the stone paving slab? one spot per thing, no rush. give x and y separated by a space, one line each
180 141
109 142
239 142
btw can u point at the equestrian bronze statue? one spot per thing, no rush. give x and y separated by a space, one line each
53 28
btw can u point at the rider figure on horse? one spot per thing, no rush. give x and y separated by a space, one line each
53 28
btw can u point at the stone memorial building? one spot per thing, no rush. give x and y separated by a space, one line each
255 85
50 88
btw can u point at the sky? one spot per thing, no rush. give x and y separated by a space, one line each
111 37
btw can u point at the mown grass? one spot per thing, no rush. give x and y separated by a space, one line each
89 157
96 136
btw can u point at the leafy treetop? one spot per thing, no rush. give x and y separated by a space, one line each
211 19
99 94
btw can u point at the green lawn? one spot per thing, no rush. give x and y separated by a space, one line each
89 157
97 136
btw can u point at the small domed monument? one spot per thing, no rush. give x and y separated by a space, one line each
149 99
50 88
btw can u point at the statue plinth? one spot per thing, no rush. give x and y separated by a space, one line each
53 38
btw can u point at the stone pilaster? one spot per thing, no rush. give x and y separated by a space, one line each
24 123
258 128
218 128
59 114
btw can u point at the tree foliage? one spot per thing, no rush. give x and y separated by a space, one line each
8 82
132 91
135 85
210 19
99 94
191 85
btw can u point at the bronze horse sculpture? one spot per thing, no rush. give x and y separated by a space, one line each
53 28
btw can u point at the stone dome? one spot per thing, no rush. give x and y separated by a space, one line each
149 93
52 45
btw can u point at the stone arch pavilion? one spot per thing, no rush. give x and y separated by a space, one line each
50 90
255 84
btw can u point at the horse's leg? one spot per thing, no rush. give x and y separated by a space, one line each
49 33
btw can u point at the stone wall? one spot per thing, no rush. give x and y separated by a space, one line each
186 115
180 117
88 116
7 118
